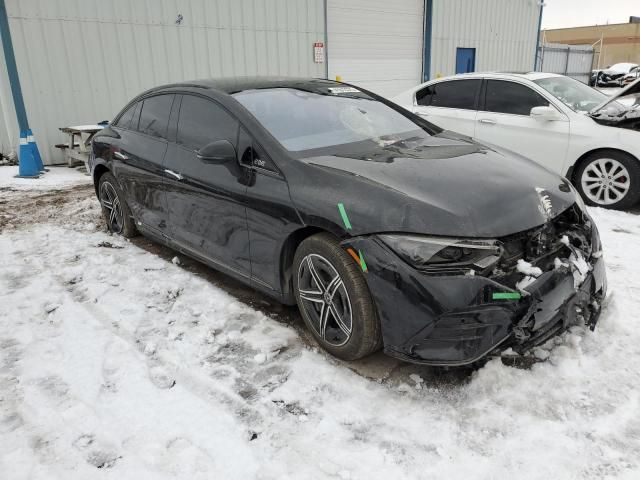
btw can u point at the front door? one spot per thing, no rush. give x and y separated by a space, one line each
465 60
206 201
505 120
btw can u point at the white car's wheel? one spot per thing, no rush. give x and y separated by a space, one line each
609 179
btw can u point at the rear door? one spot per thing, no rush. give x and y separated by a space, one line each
138 156
450 104
504 119
206 200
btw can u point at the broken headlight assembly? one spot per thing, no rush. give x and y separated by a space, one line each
445 256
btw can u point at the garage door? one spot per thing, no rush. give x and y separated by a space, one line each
377 44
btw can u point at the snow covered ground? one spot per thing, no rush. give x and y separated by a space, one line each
117 363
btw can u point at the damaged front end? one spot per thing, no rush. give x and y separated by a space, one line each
622 110
454 304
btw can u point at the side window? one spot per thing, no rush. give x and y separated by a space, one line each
452 94
155 115
125 119
202 121
423 97
510 97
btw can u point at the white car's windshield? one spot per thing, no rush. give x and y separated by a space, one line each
304 120
572 93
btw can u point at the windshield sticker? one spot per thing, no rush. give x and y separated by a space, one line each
336 90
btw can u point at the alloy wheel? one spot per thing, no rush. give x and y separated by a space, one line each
325 299
605 181
111 203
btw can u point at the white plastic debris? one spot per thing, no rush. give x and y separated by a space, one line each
528 269
581 268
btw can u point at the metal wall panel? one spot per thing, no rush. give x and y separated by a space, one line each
8 122
80 61
376 44
571 60
503 32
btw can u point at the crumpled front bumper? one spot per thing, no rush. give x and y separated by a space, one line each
454 320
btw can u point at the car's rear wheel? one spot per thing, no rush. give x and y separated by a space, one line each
115 210
334 300
609 179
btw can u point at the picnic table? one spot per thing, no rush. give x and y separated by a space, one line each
78 151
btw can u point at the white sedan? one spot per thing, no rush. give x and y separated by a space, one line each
566 126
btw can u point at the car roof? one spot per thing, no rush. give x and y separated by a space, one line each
231 85
507 75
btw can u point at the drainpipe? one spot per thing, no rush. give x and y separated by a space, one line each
326 40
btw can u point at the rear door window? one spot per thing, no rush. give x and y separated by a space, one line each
460 94
125 119
154 117
512 98
202 121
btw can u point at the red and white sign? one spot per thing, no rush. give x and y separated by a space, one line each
318 52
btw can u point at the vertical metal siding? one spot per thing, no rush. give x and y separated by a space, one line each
503 32
8 120
80 61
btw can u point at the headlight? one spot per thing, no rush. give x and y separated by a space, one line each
445 255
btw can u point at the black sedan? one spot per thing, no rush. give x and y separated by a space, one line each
385 230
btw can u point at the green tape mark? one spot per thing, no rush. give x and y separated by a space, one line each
363 264
506 296
343 214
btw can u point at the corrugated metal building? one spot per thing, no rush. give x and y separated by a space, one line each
81 61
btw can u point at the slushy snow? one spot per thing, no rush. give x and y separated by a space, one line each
118 364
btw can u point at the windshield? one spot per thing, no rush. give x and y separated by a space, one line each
574 94
304 120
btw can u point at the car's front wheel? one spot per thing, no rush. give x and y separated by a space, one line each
334 299
114 208
609 179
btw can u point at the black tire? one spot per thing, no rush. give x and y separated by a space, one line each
632 166
365 337
109 193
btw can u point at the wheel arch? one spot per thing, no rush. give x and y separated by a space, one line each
287 253
572 171
98 171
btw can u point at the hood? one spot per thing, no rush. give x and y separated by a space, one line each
441 185
631 89
617 111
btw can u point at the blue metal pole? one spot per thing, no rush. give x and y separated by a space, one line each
12 69
428 28
535 58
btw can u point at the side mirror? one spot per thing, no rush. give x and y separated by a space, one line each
547 114
220 151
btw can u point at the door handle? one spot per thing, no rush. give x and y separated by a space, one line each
177 176
487 121
120 156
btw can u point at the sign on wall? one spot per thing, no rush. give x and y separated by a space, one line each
318 52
